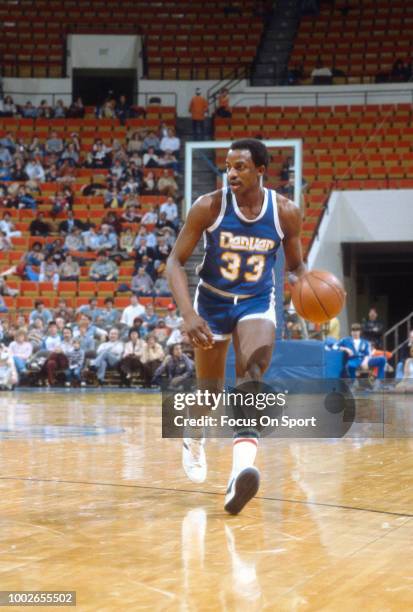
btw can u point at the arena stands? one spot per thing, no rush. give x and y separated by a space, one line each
359 42
183 40
345 147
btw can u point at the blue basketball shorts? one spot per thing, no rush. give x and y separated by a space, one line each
223 313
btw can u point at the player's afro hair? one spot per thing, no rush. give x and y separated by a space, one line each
258 150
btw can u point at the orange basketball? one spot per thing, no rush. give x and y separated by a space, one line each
318 296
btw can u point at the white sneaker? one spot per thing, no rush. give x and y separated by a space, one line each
241 489
194 459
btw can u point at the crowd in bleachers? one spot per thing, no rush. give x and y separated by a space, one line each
93 345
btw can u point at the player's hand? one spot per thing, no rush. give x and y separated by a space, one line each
198 331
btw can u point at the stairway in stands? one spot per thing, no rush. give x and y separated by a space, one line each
271 62
203 181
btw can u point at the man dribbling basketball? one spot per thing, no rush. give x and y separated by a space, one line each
243 227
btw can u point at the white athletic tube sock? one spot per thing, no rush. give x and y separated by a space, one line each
244 452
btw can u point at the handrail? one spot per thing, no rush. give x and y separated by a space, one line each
67 96
408 321
228 82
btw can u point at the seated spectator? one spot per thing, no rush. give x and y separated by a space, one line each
91 309
135 143
35 170
8 142
9 107
131 214
135 309
49 271
107 238
146 238
36 334
5 242
163 224
39 227
177 368
167 184
103 269
113 198
28 111
54 144
91 238
88 333
132 358
76 359
372 328
171 211
151 159
122 110
76 110
149 319
5 157
161 251
66 226
59 110
170 142
358 354
71 155
69 270
58 359
107 110
7 226
126 241
153 356
169 160
161 287
151 141
172 320
109 315
8 373
117 170
223 109
21 350
63 310
40 312
112 220
149 184
25 200
100 156
74 240
109 354
142 283
151 216
52 339
18 173
161 332
52 174
141 251
44 111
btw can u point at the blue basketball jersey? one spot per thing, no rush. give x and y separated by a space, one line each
240 253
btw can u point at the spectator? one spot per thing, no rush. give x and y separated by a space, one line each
87 333
135 309
39 227
58 359
49 271
103 269
151 141
66 226
163 223
59 110
36 333
223 109
113 222
9 107
135 143
149 319
113 198
133 354
146 238
153 355
170 142
8 373
161 332
358 352
52 340
150 217
35 170
167 184
404 354
172 320
69 270
122 110
177 367
91 309
74 240
149 184
5 242
91 238
54 144
44 111
21 350
162 251
372 327
71 154
169 160
40 312
150 158
63 310
28 111
76 358
198 107
8 227
171 210
6 290
108 316
107 238
142 283
126 242
109 354
76 110
161 287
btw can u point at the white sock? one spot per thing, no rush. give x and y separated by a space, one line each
244 452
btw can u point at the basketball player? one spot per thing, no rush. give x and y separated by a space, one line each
243 227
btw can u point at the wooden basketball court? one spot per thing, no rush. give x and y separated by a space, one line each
93 500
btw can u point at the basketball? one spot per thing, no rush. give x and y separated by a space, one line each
318 296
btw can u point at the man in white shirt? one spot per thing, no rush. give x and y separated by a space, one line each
135 309
35 171
170 142
170 209
108 354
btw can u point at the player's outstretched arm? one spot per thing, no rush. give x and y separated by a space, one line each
202 214
290 220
